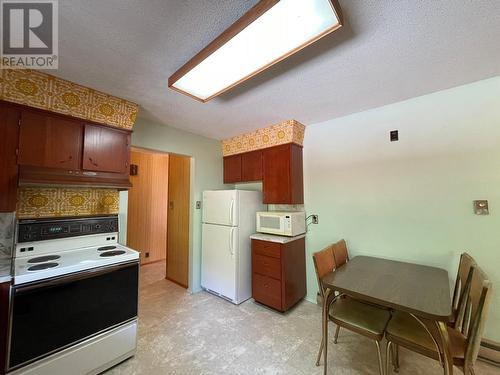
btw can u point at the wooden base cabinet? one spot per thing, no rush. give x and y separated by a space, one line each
4 317
278 273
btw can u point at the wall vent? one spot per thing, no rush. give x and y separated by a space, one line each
394 135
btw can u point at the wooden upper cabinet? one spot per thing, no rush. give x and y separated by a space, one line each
232 169
251 166
49 141
9 133
105 149
282 175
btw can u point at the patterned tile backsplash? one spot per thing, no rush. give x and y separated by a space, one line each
34 202
290 131
41 90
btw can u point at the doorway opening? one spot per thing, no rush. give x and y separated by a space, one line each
158 214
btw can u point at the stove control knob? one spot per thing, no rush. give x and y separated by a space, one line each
98 226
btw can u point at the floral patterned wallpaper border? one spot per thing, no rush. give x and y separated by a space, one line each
290 131
41 90
36 202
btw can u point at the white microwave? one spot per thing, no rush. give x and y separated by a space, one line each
281 223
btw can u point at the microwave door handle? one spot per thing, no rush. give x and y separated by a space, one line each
231 240
231 210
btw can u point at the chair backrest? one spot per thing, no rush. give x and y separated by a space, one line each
462 286
340 253
476 311
324 262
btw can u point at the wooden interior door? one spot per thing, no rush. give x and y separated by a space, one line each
148 205
178 220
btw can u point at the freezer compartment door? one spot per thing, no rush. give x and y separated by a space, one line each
219 259
221 207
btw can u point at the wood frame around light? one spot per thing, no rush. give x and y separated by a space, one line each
254 13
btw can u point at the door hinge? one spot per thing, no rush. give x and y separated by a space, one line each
19 122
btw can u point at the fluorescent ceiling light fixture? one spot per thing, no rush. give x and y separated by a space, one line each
268 33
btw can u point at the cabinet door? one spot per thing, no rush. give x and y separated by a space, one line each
276 182
9 132
49 141
282 175
251 166
105 149
4 319
232 169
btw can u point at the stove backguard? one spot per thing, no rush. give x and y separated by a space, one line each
49 229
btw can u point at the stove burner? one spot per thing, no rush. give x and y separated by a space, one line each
45 258
112 253
104 248
42 266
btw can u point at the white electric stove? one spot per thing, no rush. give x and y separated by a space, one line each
74 297
45 259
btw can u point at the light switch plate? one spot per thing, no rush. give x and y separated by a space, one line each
198 205
481 207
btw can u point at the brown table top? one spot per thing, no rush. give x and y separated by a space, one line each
413 288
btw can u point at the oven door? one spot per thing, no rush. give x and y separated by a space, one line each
49 315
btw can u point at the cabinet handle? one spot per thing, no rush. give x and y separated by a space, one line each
65 161
93 163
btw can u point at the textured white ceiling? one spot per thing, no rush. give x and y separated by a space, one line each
389 50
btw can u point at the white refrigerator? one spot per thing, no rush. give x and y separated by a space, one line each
226 261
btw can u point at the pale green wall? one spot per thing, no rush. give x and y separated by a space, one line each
411 200
206 174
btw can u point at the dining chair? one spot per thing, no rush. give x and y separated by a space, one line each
461 291
358 317
418 335
340 253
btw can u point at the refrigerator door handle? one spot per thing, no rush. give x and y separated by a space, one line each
231 240
231 210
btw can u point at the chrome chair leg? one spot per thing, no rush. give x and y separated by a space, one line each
335 339
326 306
320 352
388 356
380 362
395 358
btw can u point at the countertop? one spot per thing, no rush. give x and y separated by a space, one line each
5 272
274 238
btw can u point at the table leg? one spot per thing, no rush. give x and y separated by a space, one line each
445 341
326 304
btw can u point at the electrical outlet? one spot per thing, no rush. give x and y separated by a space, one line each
315 219
147 255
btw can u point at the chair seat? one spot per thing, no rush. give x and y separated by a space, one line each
406 331
367 320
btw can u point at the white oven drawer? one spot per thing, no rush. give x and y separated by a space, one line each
90 357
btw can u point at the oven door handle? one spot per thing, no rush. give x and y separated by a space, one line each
64 279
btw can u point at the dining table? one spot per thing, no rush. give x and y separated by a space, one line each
420 290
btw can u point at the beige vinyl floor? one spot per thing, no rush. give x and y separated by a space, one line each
182 333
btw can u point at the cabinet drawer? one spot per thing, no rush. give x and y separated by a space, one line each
266 291
266 248
266 266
